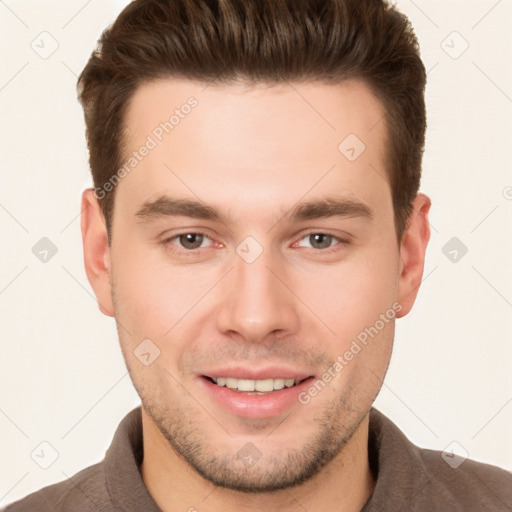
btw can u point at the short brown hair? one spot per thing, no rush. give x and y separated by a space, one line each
267 41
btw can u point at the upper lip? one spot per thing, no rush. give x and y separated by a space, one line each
269 372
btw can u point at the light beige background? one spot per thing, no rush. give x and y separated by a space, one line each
63 380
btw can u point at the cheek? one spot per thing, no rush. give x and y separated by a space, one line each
148 296
158 300
149 303
352 295
360 305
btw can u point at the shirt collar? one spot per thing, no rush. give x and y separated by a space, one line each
396 465
393 460
122 467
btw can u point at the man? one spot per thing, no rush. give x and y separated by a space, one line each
255 229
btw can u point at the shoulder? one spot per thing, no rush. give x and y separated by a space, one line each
417 479
467 481
83 492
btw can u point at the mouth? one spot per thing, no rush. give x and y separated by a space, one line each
255 392
255 387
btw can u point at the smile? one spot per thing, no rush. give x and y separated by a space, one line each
258 386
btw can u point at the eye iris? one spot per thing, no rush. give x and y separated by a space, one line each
321 239
191 240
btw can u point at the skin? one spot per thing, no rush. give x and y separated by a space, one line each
253 153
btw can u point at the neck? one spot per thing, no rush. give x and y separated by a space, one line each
344 485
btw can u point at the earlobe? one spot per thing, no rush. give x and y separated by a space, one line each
96 251
412 253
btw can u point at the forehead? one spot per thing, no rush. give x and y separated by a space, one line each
322 112
251 142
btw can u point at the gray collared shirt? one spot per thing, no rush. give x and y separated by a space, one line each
408 478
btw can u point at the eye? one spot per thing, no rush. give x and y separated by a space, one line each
191 240
187 242
322 241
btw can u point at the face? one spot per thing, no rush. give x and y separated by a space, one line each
254 272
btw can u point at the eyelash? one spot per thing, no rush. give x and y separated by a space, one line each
195 252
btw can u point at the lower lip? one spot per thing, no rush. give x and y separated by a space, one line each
255 406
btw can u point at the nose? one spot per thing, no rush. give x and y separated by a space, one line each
256 301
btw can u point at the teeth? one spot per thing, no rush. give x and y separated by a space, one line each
262 386
231 383
246 385
278 383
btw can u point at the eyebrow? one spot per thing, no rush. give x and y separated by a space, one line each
166 206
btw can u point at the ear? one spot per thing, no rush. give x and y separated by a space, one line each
96 250
412 253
